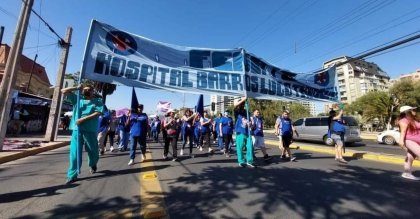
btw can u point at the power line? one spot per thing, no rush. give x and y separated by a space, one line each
320 35
62 42
261 23
6 12
286 19
363 36
393 50
362 56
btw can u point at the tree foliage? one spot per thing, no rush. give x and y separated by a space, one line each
384 105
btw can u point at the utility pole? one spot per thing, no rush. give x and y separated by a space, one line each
32 71
12 65
55 108
1 34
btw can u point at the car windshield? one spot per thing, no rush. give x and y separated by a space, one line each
350 121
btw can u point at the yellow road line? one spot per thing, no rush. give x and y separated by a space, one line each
151 195
385 158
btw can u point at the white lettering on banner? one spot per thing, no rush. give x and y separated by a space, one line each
115 56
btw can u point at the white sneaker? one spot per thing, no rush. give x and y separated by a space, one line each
165 157
410 176
201 148
131 162
112 149
142 158
182 152
210 150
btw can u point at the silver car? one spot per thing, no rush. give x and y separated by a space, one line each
316 129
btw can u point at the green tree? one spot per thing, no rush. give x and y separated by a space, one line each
374 104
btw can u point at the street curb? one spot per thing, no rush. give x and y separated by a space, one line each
32 151
384 158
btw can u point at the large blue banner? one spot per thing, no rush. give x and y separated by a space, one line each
119 57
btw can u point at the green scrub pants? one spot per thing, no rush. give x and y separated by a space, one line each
242 139
89 139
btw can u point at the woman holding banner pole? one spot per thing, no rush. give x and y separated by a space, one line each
84 124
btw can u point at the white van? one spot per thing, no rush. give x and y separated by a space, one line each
316 128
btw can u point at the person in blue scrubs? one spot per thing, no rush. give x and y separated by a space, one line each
86 126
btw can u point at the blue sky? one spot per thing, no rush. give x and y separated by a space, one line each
298 35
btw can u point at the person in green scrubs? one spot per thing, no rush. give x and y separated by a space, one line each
86 125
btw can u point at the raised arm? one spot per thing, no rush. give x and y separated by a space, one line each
68 90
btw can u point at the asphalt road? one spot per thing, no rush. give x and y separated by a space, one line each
316 186
209 187
33 187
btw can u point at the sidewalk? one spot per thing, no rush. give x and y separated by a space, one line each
26 145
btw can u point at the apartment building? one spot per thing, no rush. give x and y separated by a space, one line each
358 77
310 106
222 102
413 76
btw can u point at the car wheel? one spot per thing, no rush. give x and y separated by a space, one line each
389 140
328 141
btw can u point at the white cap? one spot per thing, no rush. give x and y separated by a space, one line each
406 108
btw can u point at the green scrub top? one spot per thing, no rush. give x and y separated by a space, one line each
87 107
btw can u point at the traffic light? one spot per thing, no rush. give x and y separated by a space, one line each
213 106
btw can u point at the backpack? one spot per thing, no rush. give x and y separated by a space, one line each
338 126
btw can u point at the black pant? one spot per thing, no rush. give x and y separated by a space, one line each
188 135
172 139
111 135
226 140
205 136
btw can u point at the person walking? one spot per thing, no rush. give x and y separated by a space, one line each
16 120
242 136
257 134
86 126
206 123
216 128
104 121
285 129
138 122
338 129
226 132
111 130
124 132
197 131
171 126
187 131
409 138
156 128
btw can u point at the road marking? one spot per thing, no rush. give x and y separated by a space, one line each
152 203
385 158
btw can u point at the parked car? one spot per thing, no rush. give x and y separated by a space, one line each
389 137
316 128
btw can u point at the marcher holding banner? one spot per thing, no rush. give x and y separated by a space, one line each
86 126
242 135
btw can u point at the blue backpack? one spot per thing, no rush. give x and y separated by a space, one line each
338 126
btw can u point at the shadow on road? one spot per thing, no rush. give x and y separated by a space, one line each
308 193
